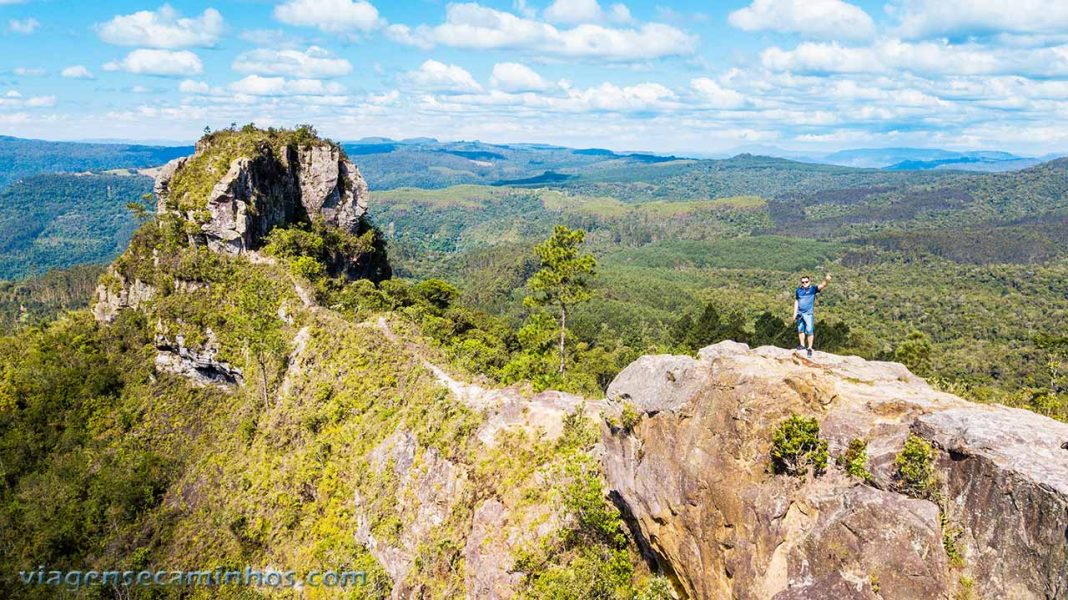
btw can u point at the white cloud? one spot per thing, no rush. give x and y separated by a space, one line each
473 26
331 16
928 58
517 77
933 18
313 63
279 86
189 86
39 101
14 99
931 58
385 99
832 19
163 28
574 11
77 72
29 71
158 62
23 26
585 11
714 95
440 77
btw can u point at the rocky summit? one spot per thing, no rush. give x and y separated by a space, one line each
694 478
257 183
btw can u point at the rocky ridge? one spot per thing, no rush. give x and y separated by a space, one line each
694 478
271 187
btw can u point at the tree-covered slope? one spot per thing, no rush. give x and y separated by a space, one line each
22 158
55 220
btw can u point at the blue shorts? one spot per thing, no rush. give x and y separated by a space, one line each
806 323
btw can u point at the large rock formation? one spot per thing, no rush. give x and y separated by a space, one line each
694 477
270 187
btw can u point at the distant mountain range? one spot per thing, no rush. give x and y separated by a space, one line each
922 159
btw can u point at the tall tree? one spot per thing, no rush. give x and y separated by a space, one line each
564 278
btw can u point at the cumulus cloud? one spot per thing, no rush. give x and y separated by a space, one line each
280 86
313 63
76 72
473 26
158 62
585 11
23 26
163 28
713 95
517 77
437 76
331 16
933 18
832 19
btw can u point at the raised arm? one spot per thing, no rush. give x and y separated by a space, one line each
823 284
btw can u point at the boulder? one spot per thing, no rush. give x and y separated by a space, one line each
694 479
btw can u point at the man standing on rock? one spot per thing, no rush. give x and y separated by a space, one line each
804 311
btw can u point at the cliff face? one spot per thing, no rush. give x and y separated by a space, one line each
259 190
694 477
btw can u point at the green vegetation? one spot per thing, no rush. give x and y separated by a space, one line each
563 280
855 460
665 252
20 158
915 467
590 556
915 353
37 300
192 184
796 446
57 221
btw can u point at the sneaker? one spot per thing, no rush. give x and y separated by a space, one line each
799 348
810 352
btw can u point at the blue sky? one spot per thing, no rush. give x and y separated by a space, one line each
690 77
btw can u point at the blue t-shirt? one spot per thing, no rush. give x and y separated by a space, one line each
806 298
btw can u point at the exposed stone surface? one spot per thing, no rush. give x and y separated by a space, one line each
197 364
430 486
263 191
1006 474
110 299
694 477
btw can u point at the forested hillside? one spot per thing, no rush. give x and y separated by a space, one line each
21 158
958 273
56 220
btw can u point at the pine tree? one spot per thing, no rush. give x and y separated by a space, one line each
564 278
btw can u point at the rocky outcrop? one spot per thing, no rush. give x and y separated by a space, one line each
694 478
115 293
267 189
199 365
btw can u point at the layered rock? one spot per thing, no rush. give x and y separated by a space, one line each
271 187
694 478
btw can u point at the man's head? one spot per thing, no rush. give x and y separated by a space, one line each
805 281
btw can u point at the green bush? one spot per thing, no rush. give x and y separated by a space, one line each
796 446
630 417
915 467
855 459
